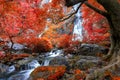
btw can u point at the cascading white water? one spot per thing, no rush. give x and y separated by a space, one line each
77 25
51 55
11 69
26 70
24 75
10 73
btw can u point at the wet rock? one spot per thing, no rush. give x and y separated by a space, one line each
10 59
24 71
27 64
86 62
91 49
5 70
24 61
54 53
48 73
74 74
20 56
59 60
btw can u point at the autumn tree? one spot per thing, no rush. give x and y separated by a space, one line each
17 19
112 13
95 25
25 19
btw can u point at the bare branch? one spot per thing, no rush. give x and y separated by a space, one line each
70 15
73 2
96 9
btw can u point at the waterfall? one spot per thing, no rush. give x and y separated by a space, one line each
77 32
44 2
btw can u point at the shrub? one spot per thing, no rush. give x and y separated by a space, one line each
42 45
64 41
37 45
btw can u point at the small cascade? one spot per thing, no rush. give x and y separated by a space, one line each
25 70
77 32
51 55
11 69
10 73
5 68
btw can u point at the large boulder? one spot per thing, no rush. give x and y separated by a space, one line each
59 60
87 62
47 73
91 49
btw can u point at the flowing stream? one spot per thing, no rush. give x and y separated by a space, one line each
10 72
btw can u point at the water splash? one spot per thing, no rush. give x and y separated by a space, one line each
55 53
11 69
51 55
22 75
25 71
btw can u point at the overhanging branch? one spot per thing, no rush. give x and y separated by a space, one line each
69 3
70 15
96 9
73 2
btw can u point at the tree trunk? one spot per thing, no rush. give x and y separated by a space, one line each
113 9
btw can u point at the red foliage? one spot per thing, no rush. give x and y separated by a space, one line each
69 46
19 56
79 75
116 78
37 44
11 57
112 76
64 41
48 72
27 18
2 54
94 24
42 45
77 71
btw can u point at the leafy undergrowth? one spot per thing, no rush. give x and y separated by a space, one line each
48 73
61 73
6 58
37 45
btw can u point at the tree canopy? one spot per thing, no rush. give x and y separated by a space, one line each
42 25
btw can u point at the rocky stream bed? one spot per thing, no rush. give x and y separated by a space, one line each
56 65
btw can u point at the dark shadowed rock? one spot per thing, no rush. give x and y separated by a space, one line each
59 61
91 49
86 62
